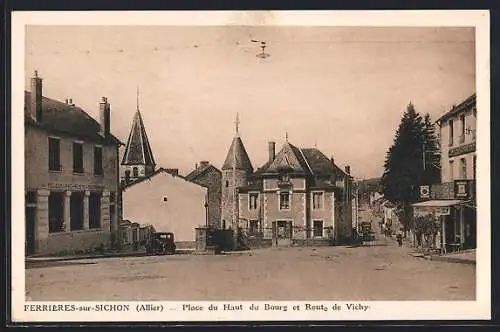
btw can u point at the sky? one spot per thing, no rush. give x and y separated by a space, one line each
342 90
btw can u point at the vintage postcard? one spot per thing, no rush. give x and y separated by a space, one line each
250 166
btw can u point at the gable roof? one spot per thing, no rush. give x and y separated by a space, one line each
200 171
309 161
290 157
68 119
161 170
237 157
468 103
138 150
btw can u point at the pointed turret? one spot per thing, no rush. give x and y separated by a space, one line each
235 169
138 160
237 157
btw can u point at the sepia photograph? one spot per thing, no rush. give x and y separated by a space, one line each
243 162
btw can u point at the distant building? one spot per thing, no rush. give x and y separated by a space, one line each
138 161
209 176
453 202
298 196
168 202
71 175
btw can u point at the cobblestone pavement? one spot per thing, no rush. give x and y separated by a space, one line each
381 271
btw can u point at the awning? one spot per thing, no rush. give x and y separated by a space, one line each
438 203
435 207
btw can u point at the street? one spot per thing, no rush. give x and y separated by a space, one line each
381 271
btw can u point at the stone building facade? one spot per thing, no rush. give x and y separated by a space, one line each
210 177
453 201
71 176
299 196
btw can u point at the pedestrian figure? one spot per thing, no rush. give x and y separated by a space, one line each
399 238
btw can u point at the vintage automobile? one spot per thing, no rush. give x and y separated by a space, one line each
160 243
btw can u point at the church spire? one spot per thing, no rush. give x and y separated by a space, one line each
138 150
237 124
137 102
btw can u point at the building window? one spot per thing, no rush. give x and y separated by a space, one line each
227 184
56 212
76 210
253 227
253 201
285 178
463 168
95 210
474 167
462 128
317 201
31 197
284 201
77 157
98 160
54 154
450 124
135 172
318 228
452 173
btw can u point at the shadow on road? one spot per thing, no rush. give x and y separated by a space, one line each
368 245
35 265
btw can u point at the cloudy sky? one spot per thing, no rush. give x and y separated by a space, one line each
342 90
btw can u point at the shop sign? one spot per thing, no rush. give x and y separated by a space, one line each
461 189
435 210
74 186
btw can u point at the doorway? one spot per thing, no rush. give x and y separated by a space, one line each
282 233
30 229
469 228
30 226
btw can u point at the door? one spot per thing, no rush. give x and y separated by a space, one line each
282 233
469 228
30 230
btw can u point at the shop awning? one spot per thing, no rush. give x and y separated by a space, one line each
438 203
435 207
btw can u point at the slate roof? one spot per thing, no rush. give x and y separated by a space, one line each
138 150
199 171
312 162
60 117
237 152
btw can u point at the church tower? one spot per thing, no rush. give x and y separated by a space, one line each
234 173
138 161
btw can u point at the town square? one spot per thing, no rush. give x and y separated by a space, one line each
224 163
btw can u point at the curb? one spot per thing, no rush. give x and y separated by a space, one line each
452 260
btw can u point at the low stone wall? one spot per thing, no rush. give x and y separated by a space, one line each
311 242
255 243
74 242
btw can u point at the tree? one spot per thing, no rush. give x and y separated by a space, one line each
404 169
431 155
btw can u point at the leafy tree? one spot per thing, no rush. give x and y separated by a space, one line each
404 172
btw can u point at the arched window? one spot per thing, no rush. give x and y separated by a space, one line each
135 172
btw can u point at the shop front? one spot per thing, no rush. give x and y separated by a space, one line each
456 220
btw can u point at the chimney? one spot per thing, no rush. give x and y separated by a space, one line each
104 115
204 163
36 110
348 169
272 151
196 166
333 160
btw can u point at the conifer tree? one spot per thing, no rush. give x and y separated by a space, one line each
415 145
